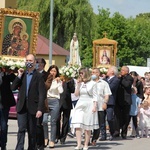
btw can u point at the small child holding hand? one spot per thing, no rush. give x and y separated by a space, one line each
134 109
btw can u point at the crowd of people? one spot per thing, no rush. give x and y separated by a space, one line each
117 98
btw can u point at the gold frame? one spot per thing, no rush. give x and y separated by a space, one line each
29 24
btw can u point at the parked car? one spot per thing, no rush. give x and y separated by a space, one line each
13 112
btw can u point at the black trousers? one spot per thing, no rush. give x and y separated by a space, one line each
4 113
122 119
134 119
40 134
63 131
26 121
102 125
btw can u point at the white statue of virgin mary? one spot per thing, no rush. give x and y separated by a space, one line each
74 51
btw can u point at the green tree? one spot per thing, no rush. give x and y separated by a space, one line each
69 16
141 42
132 34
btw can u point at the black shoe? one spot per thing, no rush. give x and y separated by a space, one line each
40 147
70 135
102 139
56 141
46 144
116 134
62 142
110 138
123 135
133 136
93 143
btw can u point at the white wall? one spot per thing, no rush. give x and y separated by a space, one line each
139 69
2 4
8 4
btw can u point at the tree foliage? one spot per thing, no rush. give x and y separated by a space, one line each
132 34
69 16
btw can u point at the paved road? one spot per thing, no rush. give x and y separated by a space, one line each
117 144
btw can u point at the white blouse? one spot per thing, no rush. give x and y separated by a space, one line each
55 90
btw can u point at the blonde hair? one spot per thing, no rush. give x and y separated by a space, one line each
145 104
86 74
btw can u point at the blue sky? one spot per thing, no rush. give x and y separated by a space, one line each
127 8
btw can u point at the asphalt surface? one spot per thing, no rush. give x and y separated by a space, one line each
116 144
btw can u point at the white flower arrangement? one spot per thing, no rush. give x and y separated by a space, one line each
11 63
103 70
69 71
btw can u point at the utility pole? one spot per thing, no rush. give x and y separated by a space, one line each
51 33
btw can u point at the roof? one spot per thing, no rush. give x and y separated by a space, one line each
43 47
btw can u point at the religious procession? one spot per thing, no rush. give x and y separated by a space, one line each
92 104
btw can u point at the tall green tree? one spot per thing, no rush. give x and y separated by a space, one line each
69 16
132 35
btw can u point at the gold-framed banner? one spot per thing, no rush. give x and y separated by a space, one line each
18 32
104 52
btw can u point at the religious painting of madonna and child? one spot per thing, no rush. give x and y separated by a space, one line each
103 55
18 32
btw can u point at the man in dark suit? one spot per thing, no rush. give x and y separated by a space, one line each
65 108
113 82
6 101
123 103
30 105
40 65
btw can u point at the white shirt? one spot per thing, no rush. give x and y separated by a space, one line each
103 89
73 97
55 90
41 71
109 78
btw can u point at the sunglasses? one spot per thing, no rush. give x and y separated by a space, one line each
81 73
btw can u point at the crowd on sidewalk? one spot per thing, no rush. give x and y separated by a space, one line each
76 107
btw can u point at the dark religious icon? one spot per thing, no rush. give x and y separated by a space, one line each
18 32
15 43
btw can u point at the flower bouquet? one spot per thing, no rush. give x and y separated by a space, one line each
103 70
12 64
69 72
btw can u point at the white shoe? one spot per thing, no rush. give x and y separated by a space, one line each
78 148
85 148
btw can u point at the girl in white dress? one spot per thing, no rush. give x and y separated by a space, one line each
144 119
85 116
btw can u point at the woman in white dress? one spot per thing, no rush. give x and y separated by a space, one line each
85 116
